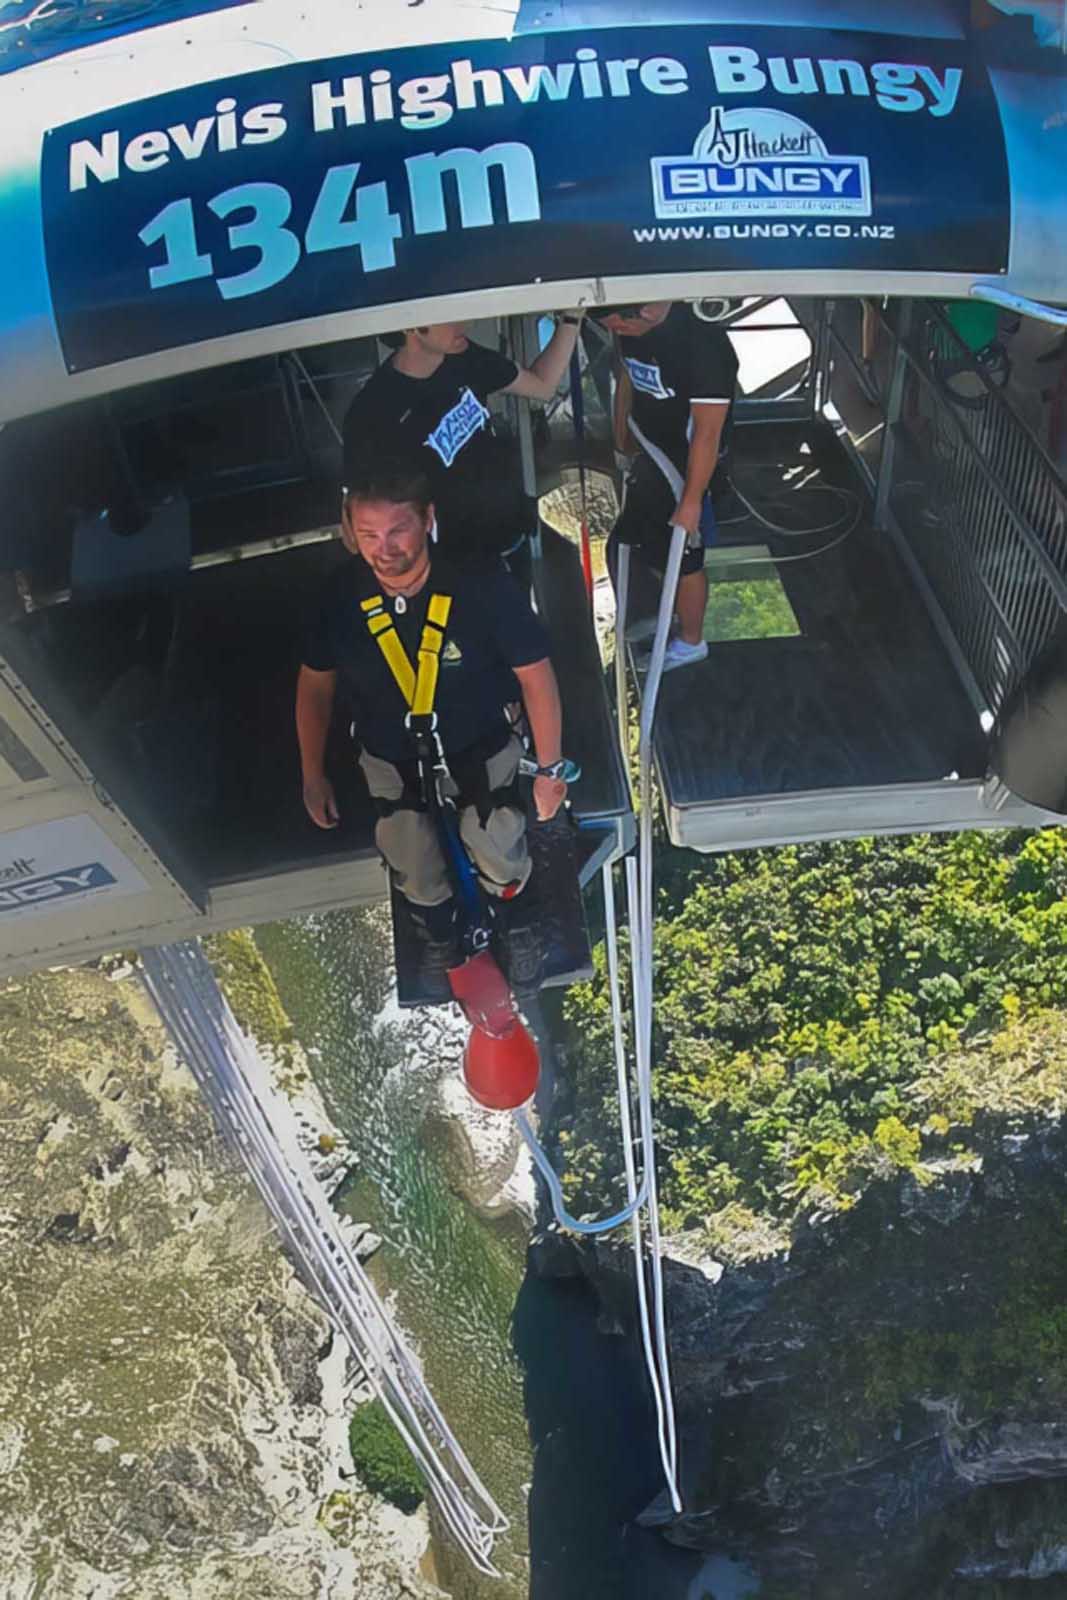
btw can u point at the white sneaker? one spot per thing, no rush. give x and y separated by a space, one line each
680 654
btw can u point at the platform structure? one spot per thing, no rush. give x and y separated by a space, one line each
828 705
149 781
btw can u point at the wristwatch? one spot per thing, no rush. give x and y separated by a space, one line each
570 319
555 769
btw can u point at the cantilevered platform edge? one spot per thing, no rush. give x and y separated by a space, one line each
946 806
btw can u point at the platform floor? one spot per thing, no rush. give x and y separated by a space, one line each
181 701
855 691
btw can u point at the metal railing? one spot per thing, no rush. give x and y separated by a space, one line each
977 503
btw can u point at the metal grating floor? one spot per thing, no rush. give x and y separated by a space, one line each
863 697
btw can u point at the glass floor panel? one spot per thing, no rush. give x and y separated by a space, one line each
747 598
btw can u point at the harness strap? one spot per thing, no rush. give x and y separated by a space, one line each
430 646
418 689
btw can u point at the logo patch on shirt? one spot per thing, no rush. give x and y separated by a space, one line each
646 376
451 655
458 426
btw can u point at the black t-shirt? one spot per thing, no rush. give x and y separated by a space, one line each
682 361
491 629
477 489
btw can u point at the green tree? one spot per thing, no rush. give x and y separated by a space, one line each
799 992
382 1459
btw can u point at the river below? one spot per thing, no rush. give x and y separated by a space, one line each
553 1414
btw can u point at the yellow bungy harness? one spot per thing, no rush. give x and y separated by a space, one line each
418 688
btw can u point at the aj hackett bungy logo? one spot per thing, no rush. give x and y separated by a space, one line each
20 867
16 896
756 162
56 867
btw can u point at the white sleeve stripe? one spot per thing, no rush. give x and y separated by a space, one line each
708 400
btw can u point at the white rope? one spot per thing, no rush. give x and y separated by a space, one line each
622 601
639 881
653 1344
661 1397
642 938
236 1084
636 1197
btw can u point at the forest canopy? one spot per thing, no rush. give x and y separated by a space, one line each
817 1007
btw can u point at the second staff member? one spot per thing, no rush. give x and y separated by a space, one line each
674 401
432 397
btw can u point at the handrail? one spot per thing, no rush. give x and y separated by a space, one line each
1008 300
994 554
1056 578
997 395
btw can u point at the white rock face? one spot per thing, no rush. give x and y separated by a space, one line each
173 1407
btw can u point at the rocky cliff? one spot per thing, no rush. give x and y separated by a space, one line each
173 1407
882 1409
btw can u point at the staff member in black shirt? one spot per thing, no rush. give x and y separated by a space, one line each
432 396
494 651
674 399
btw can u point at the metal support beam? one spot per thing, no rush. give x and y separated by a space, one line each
819 388
894 404
522 336
236 1086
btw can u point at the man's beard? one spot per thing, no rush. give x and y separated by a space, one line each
403 568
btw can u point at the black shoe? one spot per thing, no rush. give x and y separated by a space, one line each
438 950
436 957
521 944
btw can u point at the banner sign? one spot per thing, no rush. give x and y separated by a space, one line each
319 187
52 866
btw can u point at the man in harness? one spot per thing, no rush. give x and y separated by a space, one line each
431 654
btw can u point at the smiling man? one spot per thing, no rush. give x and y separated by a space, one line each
397 600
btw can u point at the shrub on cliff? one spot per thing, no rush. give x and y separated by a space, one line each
249 986
381 1458
801 992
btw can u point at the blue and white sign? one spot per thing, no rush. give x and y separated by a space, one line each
52 866
69 883
319 187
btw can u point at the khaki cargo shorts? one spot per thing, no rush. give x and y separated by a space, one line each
408 839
